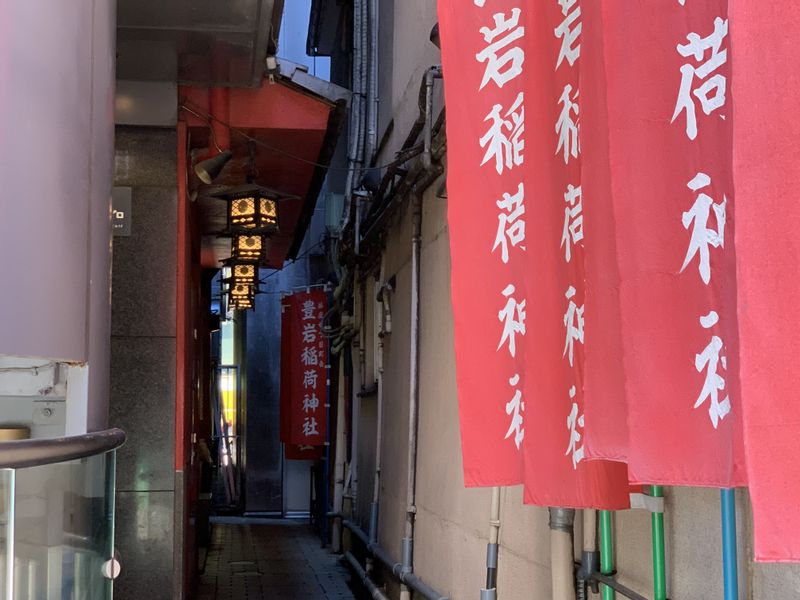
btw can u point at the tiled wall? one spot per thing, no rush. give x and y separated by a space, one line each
143 363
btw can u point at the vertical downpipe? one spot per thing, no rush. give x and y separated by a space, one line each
492 549
338 468
376 490
413 400
659 567
606 552
562 560
729 566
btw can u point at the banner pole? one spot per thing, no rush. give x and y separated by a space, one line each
606 552
659 567
729 566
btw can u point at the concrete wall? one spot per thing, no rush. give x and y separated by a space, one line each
143 362
452 521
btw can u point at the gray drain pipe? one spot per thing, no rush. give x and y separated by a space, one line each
397 569
492 549
373 589
561 553
413 396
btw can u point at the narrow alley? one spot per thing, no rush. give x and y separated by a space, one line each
255 559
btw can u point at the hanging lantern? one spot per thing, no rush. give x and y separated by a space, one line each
251 209
249 248
245 273
242 290
241 304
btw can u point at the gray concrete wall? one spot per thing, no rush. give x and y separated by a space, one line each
143 362
452 521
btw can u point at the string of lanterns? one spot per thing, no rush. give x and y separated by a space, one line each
252 220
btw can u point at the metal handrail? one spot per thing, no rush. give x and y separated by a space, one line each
19 454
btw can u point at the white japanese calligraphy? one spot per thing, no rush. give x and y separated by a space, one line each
711 92
308 310
309 356
512 316
573 323
573 422
310 403
714 383
573 220
310 427
310 378
503 140
569 31
502 68
566 127
703 237
309 333
514 408
510 224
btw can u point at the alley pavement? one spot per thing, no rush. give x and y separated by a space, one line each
270 559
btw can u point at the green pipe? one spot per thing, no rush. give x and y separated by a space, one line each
659 568
606 552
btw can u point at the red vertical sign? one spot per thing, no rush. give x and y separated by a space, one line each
304 358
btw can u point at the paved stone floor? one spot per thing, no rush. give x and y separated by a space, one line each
270 559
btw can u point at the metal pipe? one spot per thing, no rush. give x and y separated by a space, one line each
376 593
432 73
396 568
606 552
492 548
413 398
372 93
590 557
561 552
338 466
356 110
659 567
729 566
378 322
609 583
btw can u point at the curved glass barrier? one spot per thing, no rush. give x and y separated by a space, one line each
57 530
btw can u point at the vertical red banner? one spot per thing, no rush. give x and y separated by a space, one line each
515 215
667 75
304 359
557 471
484 61
766 169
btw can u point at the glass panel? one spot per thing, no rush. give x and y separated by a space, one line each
6 527
64 530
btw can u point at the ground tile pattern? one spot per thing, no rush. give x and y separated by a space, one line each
270 559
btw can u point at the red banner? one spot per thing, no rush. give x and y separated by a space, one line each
516 230
669 147
304 359
766 165
487 216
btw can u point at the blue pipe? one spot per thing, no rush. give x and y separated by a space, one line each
729 565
